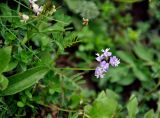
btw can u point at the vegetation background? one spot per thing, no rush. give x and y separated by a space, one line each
48 62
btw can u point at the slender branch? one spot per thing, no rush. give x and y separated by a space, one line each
76 68
21 4
8 16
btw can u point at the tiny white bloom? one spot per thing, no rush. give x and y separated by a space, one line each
24 18
37 9
32 1
40 9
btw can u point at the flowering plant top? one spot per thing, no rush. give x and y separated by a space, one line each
105 59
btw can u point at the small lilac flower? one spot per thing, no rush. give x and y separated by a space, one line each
104 65
114 61
105 60
99 72
106 53
99 57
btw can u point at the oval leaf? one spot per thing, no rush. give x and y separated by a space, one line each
132 107
102 107
5 55
126 57
149 114
128 1
143 52
11 66
3 82
23 80
141 75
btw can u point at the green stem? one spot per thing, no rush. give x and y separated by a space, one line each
68 68
67 110
8 16
21 4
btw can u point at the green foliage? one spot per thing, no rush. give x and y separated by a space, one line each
87 9
128 1
24 80
3 82
42 75
102 107
149 114
5 54
132 107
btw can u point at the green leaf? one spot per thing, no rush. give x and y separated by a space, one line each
87 109
75 115
140 74
3 82
49 116
132 107
46 58
63 20
73 4
128 1
23 80
75 100
112 94
88 9
125 57
143 53
11 66
41 39
5 55
56 27
120 75
20 104
149 114
6 11
103 107
28 93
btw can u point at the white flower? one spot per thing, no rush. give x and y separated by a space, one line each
36 9
40 10
32 1
24 18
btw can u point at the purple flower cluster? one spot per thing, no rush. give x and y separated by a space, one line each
105 60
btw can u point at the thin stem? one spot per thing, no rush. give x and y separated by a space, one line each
68 68
80 111
67 110
22 4
85 115
8 30
58 108
54 19
8 16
